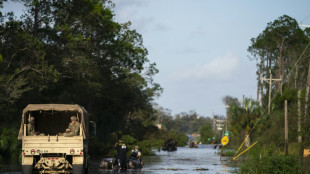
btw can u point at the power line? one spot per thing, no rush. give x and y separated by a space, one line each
275 95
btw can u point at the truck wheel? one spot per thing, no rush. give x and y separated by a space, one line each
27 169
78 169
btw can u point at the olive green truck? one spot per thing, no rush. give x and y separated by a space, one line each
46 149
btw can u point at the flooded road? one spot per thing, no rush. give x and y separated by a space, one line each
183 161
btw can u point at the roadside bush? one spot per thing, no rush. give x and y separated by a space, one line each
10 147
271 164
180 137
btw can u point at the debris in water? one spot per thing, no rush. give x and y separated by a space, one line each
174 169
201 169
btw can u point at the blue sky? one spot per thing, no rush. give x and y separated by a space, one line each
200 46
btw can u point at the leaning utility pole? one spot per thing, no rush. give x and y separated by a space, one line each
270 80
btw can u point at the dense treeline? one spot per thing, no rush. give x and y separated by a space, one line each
186 123
74 52
281 51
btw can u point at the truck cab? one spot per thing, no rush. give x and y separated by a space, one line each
46 149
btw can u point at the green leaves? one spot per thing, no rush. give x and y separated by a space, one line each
73 52
8 145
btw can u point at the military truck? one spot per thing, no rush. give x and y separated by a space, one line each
48 150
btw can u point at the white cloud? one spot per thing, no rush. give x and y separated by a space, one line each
218 68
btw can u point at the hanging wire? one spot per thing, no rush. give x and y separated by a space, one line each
295 65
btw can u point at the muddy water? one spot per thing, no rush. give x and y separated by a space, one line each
203 159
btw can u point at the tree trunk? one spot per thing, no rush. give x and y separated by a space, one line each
281 66
299 116
260 84
285 129
36 21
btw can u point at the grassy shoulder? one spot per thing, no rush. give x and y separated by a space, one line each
269 160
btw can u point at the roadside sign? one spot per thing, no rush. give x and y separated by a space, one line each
226 133
225 140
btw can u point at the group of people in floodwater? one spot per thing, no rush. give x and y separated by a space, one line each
134 161
120 160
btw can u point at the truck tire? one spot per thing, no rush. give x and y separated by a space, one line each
78 169
27 169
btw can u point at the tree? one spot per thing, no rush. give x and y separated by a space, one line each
74 52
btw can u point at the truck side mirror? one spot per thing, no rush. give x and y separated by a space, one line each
92 129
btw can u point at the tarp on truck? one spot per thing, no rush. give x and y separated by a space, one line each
51 108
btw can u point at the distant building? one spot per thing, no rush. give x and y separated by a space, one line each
218 125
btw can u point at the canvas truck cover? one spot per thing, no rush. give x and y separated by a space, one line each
57 108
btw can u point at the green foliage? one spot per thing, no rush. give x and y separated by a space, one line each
184 122
180 138
277 50
227 152
242 119
271 164
145 147
288 94
75 53
9 146
129 139
206 132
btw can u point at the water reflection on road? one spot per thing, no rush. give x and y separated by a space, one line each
185 160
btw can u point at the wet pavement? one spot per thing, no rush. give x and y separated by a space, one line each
203 159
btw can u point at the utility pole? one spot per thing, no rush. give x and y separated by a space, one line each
270 80
286 128
227 106
307 94
299 116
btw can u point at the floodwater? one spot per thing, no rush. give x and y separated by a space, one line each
203 159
